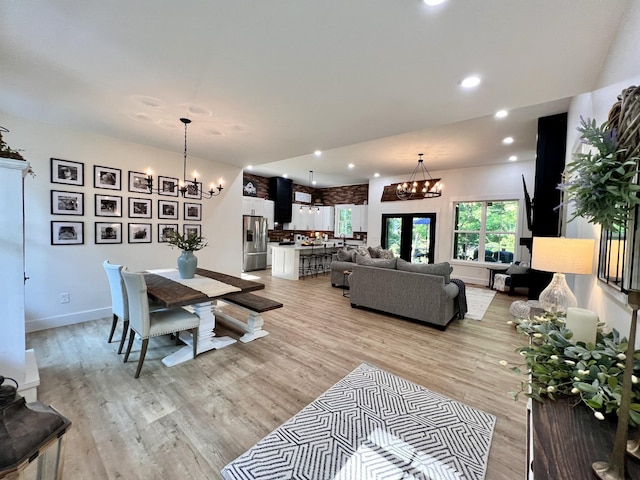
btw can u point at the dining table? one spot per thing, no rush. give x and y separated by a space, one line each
199 294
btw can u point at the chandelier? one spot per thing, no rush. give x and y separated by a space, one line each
415 188
191 187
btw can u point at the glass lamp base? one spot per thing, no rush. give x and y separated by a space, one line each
557 297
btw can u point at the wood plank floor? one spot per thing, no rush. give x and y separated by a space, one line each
190 420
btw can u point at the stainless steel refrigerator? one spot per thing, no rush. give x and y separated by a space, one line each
254 243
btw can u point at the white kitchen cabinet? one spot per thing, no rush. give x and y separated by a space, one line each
253 206
269 213
323 221
359 218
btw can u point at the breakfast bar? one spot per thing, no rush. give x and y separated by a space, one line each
285 259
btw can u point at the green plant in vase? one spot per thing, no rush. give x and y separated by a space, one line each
188 243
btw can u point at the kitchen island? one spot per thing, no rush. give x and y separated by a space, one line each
285 259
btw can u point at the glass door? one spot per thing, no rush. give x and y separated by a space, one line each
410 236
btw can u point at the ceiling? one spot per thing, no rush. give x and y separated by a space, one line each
266 83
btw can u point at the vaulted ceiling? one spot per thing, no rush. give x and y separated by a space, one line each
268 82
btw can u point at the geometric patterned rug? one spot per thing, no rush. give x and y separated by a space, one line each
373 425
478 301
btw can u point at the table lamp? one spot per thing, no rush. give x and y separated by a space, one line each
561 255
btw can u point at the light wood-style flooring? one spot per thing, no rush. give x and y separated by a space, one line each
190 420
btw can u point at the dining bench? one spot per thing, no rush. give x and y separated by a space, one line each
255 305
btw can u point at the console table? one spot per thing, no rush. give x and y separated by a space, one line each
565 440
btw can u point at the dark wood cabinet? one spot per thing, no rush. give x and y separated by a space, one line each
566 439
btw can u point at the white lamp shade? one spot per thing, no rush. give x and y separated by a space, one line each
564 255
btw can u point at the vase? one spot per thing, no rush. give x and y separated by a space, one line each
187 264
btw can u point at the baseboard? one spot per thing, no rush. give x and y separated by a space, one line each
34 325
473 280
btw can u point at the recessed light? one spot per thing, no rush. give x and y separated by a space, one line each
507 140
317 153
513 158
351 165
433 3
285 175
313 182
249 167
376 174
501 113
470 82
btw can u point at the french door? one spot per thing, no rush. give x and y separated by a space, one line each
410 236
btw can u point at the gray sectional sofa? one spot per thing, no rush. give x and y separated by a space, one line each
422 292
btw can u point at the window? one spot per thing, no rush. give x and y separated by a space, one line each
410 236
344 222
485 231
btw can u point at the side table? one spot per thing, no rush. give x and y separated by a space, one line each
345 283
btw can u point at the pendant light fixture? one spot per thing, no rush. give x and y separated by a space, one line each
190 188
311 208
416 188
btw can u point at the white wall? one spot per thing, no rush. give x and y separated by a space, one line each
621 71
502 181
77 270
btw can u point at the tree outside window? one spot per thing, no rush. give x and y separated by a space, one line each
485 231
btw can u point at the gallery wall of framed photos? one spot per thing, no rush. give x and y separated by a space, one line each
127 213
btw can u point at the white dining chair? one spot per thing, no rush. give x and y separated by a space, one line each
119 302
152 324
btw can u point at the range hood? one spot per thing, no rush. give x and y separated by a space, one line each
280 191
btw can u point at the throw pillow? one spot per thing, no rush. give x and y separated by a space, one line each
515 269
344 255
379 252
376 262
373 251
441 269
364 251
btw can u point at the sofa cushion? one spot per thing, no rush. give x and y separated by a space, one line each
515 269
379 252
345 255
376 262
364 251
442 269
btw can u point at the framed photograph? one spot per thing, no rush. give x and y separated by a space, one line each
168 209
139 207
249 188
67 172
67 203
190 229
108 206
166 231
194 190
138 182
108 232
139 233
106 177
193 211
67 233
167 186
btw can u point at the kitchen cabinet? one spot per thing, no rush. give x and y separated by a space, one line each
269 213
253 206
323 221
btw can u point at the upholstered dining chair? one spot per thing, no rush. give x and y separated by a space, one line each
152 324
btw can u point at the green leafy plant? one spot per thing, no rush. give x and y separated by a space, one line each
8 152
592 373
188 243
601 181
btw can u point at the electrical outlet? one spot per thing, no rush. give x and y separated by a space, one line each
64 298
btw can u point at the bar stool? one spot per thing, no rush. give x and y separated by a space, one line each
305 267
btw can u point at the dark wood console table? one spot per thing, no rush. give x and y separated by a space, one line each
567 440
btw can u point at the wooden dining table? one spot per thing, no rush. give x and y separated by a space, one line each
172 294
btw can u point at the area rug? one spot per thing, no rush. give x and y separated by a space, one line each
478 300
373 425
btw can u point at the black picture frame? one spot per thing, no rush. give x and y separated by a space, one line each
249 188
190 228
164 231
108 233
67 172
67 233
139 233
67 203
168 209
107 177
168 186
138 182
193 190
140 207
108 205
193 212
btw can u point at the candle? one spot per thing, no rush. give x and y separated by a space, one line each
583 323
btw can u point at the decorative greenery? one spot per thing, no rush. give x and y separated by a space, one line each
7 152
601 181
189 243
593 373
